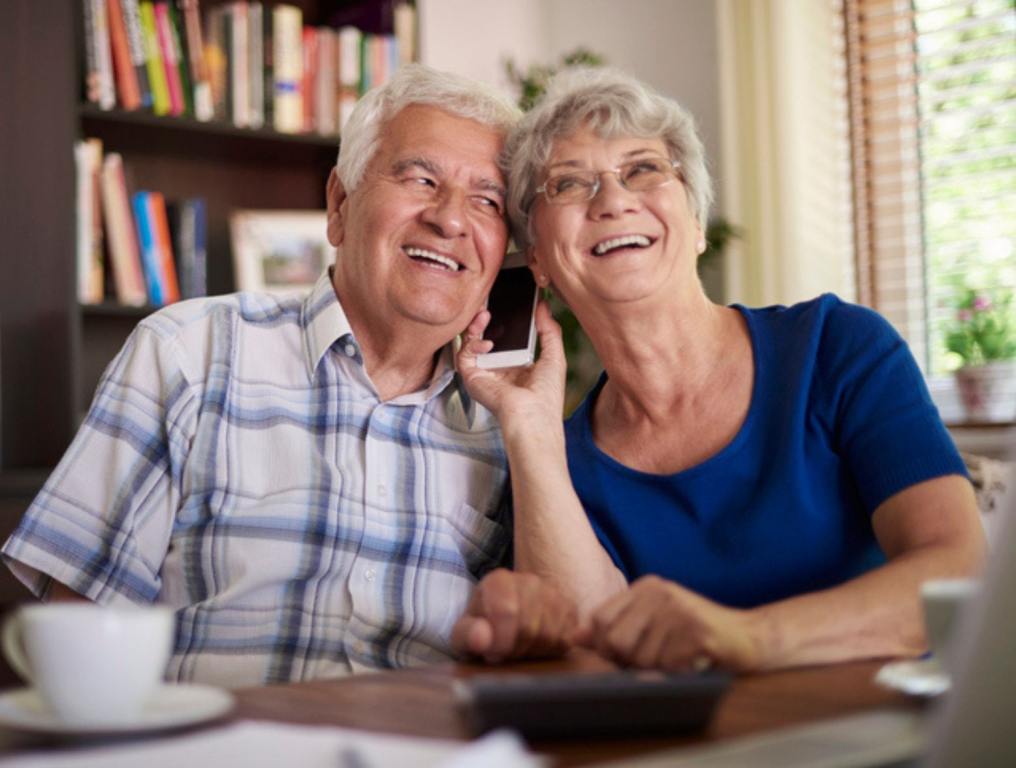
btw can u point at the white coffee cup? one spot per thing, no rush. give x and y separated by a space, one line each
92 665
944 601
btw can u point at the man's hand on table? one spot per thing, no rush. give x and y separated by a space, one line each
513 616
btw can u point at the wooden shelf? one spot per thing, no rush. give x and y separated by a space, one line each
112 309
93 114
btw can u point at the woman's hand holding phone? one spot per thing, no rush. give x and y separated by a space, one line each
527 396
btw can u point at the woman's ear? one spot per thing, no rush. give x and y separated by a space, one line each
541 277
336 196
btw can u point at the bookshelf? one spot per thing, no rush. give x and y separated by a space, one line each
53 350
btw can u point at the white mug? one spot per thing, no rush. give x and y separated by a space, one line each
943 601
92 665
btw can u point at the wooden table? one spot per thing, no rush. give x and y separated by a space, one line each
420 702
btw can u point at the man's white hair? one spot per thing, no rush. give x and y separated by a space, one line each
416 84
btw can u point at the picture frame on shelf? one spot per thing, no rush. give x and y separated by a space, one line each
279 251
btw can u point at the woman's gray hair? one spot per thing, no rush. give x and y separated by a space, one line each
614 104
416 84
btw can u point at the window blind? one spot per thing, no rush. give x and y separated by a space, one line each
932 96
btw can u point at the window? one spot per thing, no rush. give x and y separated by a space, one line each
932 88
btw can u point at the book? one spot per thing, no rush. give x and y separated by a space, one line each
349 71
168 283
88 164
255 66
325 117
179 41
127 88
99 88
198 67
309 45
216 62
148 247
153 59
128 280
187 227
236 23
167 49
268 81
136 44
287 25
404 22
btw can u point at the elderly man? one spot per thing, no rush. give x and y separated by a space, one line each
306 482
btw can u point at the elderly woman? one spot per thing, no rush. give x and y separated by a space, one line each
754 488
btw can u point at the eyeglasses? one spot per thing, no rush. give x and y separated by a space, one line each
635 176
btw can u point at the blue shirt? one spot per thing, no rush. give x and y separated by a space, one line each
840 420
238 465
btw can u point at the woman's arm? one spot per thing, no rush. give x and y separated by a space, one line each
929 530
552 535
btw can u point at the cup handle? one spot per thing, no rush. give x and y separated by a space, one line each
13 648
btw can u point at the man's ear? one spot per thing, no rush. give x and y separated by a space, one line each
336 196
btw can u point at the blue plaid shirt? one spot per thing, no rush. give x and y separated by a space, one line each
238 465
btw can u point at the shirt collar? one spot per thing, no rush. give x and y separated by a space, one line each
325 323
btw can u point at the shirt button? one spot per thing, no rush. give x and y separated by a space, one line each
369 574
350 350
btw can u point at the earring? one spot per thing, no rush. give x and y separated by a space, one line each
542 280
701 246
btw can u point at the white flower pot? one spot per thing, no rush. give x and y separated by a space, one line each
988 392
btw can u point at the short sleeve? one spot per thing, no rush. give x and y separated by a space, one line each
885 425
102 522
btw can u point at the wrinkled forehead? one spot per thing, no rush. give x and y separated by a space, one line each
587 148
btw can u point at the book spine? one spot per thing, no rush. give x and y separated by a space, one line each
96 278
126 78
349 71
153 57
215 60
404 21
136 44
164 248
325 123
238 64
199 76
268 81
287 25
255 66
179 40
164 32
148 247
99 85
87 155
199 268
123 246
309 44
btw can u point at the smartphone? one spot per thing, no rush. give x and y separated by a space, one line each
512 326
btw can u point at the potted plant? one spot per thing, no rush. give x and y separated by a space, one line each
983 338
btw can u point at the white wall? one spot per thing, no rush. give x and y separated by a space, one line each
670 44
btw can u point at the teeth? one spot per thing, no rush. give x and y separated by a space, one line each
420 253
619 242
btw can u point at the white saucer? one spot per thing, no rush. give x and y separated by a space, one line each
172 706
918 678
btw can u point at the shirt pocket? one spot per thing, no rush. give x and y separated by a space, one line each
481 541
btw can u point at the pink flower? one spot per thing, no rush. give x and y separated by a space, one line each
981 303
964 315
